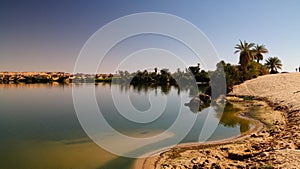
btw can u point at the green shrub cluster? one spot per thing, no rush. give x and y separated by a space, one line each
235 74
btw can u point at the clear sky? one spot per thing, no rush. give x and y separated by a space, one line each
48 35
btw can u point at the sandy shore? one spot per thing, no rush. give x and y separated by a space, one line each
275 145
280 90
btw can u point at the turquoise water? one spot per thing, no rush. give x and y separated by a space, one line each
39 127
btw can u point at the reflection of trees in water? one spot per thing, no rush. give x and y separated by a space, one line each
193 90
182 80
165 89
229 117
98 83
227 114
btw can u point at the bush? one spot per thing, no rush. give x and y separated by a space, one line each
236 75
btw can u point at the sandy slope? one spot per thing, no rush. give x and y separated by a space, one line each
281 89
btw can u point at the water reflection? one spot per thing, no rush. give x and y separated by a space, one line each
229 118
192 90
39 127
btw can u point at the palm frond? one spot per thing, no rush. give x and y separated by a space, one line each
273 63
246 54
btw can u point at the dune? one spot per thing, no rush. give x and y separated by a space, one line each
279 89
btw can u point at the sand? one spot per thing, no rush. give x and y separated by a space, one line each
280 89
275 145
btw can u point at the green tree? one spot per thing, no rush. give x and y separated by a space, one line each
165 76
274 64
195 69
246 54
258 52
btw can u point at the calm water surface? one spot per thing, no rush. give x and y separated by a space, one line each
39 126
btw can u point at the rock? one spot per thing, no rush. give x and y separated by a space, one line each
255 146
177 167
239 155
166 166
247 150
199 102
224 148
240 166
200 99
196 160
264 154
204 97
194 102
254 135
215 166
295 135
202 165
221 99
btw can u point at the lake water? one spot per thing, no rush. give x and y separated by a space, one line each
39 127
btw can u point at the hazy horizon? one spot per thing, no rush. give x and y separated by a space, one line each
48 36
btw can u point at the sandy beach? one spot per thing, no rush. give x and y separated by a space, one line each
275 144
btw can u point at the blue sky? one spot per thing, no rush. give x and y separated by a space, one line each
48 35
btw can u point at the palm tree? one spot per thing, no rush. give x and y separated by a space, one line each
258 51
245 53
273 63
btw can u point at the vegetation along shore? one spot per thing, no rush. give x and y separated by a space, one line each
273 100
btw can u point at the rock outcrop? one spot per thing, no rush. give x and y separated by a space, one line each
199 102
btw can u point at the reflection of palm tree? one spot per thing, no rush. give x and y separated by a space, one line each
273 63
245 53
258 51
229 117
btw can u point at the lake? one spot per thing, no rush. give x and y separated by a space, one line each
39 127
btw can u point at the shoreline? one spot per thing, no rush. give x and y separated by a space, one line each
276 145
257 126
